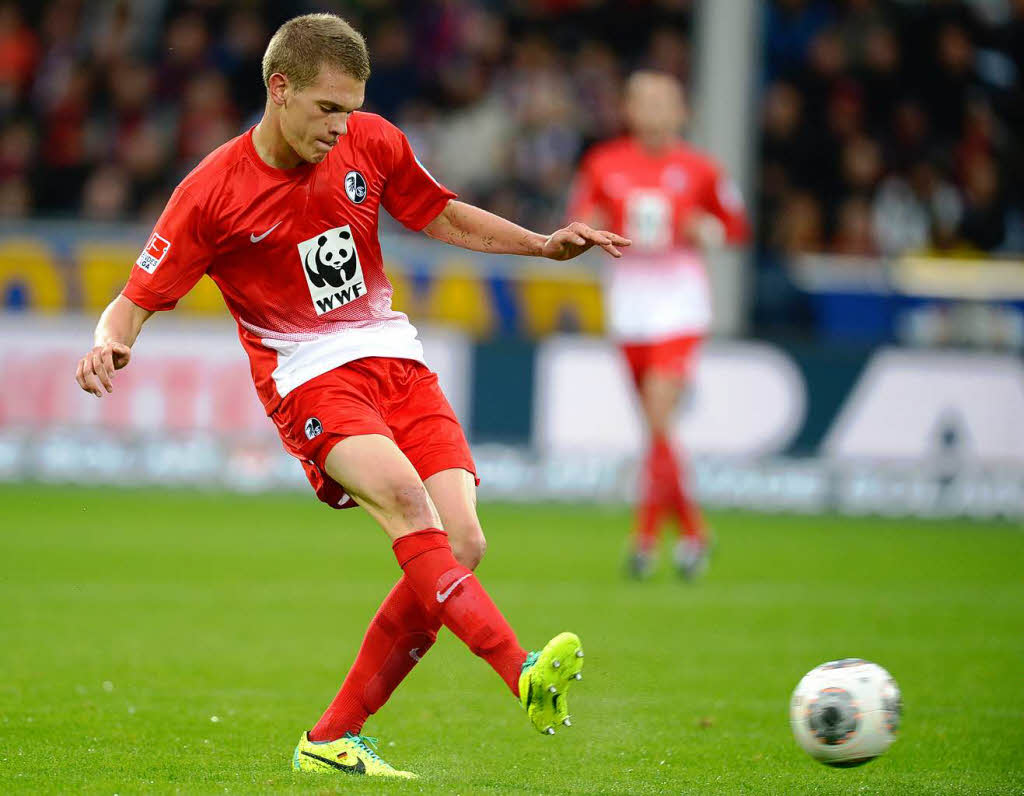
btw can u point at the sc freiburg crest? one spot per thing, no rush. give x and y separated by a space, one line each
355 187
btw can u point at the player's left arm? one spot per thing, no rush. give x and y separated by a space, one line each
476 229
175 258
116 332
725 218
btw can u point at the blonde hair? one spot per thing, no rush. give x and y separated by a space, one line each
304 44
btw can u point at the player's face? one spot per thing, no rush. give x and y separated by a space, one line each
654 106
314 118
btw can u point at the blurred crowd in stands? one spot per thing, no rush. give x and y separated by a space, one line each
886 126
890 127
106 105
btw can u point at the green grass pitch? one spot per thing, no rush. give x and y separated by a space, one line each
175 641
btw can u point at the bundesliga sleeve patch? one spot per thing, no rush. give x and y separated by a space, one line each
153 254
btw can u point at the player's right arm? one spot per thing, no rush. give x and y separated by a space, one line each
118 327
176 257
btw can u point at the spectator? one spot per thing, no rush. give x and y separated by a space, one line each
395 79
984 219
239 56
67 151
105 195
801 227
880 75
19 51
187 54
910 213
17 149
861 165
949 89
146 156
15 198
854 231
597 86
57 53
208 117
790 26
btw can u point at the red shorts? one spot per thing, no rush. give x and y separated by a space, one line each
674 356
399 398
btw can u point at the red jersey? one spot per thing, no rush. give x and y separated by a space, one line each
295 252
651 198
658 290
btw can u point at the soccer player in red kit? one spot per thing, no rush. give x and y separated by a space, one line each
284 220
670 200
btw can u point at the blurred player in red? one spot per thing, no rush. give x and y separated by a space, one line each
284 220
671 200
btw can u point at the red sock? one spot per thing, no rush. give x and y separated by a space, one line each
691 523
652 505
648 519
399 635
464 607
656 491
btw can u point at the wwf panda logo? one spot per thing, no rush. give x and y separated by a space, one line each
314 428
355 187
330 263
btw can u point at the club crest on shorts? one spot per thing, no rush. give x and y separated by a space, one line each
330 263
355 187
313 428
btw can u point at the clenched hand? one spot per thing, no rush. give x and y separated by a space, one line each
96 369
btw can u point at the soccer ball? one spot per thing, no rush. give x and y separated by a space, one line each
846 713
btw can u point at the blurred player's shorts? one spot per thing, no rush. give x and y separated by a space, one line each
397 398
673 357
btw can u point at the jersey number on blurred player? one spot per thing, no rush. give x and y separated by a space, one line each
649 219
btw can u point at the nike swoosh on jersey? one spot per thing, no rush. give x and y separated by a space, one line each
358 768
414 653
258 238
444 595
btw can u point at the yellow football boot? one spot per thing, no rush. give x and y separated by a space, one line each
545 680
351 754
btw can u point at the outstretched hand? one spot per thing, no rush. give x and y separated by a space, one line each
573 240
96 369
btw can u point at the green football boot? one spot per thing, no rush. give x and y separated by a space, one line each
350 754
545 679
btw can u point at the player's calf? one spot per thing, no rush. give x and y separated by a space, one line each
460 600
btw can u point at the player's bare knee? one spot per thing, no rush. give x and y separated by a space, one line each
659 410
658 420
470 552
468 544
